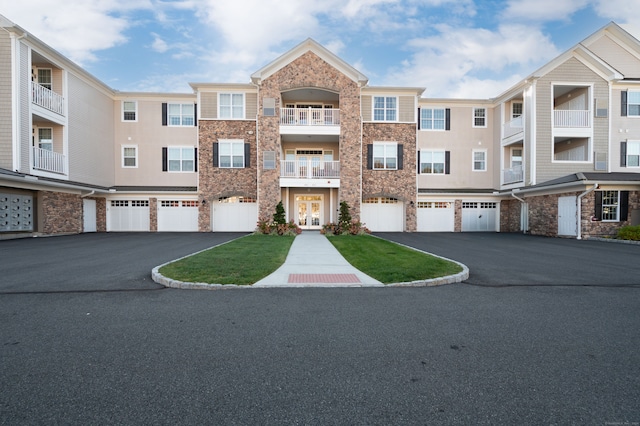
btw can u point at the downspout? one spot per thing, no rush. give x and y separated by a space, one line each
588 191
88 195
526 227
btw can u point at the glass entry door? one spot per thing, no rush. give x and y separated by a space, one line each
309 211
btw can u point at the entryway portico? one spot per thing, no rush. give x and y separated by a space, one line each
310 208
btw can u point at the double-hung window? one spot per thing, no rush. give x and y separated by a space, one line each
45 138
129 156
479 117
610 202
633 103
516 109
432 118
181 159
385 108
479 160
633 154
129 111
231 105
181 114
385 156
231 154
432 162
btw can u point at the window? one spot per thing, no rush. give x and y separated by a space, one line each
516 109
129 156
384 108
479 160
633 154
231 154
516 157
479 117
432 119
45 138
129 111
633 103
44 78
181 114
432 162
231 105
385 156
181 159
610 206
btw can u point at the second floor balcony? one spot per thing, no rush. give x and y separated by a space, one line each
512 175
47 98
49 161
512 127
309 121
571 118
309 169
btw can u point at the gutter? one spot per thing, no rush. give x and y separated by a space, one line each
31 180
579 214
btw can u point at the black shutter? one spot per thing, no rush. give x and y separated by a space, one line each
165 161
598 212
164 114
215 154
400 156
624 205
447 119
195 114
369 156
247 155
418 161
623 154
419 118
195 163
447 162
623 103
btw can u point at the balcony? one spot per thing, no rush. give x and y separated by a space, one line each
298 169
512 175
310 121
512 127
571 119
47 99
49 161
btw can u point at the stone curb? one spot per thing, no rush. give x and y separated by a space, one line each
613 240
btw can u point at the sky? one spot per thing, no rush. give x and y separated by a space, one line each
453 48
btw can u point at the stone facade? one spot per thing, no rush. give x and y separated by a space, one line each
153 214
59 213
510 215
593 228
399 184
101 213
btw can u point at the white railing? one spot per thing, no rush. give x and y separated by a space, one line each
47 98
571 118
309 116
512 175
49 161
512 127
309 169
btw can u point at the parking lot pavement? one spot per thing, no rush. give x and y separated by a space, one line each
95 262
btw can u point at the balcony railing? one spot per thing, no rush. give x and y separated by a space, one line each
47 98
571 118
49 161
512 127
309 169
512 175
309 117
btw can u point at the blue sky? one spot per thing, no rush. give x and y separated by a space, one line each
453 48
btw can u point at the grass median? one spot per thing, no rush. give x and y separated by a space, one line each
389 262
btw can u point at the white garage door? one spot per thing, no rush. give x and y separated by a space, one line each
382 214
435 216
177 215
235 214
128 215
479 216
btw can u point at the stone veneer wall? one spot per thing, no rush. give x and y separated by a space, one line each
61 213
215 182
101 214
400 184
310 71
153 215
591 228
510 216
457 219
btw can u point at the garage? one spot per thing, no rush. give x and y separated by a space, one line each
128 215
177 216
235 214
479 216
382 214
435 216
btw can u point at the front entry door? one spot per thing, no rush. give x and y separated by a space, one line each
309 211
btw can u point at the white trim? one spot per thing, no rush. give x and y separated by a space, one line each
231 142
385 144
473 117
135 103
122 156
473 160
373 108
181 147
244 105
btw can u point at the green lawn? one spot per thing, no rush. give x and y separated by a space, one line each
242 261
389 262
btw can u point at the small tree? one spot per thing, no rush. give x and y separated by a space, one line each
344 218
279 216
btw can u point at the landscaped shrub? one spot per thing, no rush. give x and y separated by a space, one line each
345 224
279 224
629 233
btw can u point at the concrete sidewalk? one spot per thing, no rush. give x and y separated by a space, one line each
313 261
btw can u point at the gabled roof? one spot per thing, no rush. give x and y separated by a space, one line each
309 45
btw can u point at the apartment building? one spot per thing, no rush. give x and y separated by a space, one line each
556 154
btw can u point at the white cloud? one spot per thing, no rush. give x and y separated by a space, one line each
464 62
159 45
543 10
620 11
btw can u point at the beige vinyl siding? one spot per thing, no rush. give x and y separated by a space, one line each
366 107
622 129
612 53
6 125
406 109
90 133
572 71
150 136
24 74
251 106
208 105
